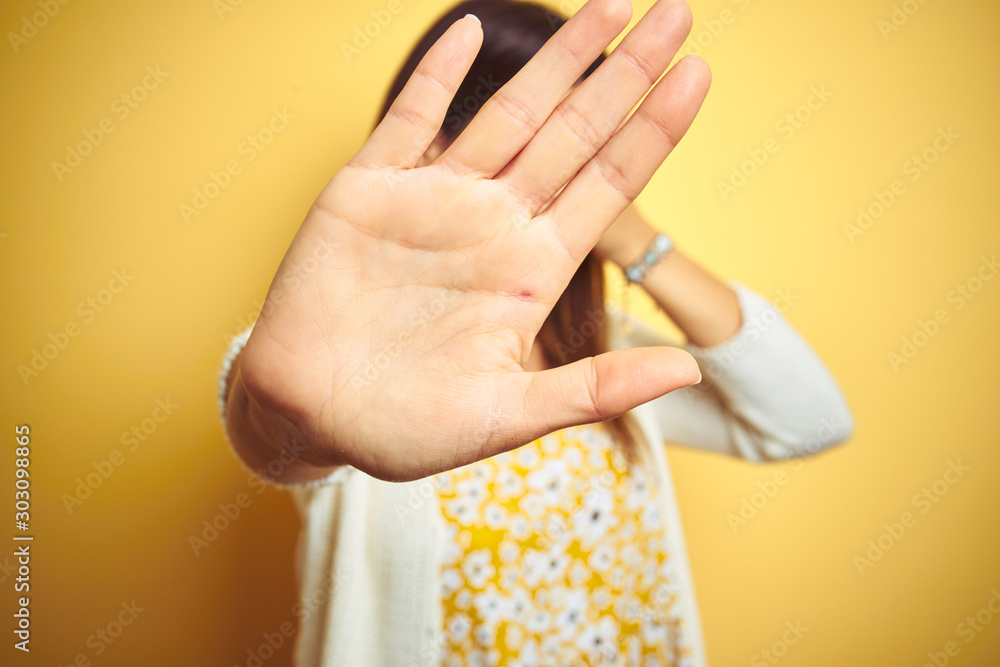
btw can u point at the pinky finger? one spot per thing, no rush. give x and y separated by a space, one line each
415 117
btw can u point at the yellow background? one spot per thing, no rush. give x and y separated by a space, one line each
196 283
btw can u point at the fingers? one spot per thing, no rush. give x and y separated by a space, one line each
608 183
587 391
585 120
416 115
512 116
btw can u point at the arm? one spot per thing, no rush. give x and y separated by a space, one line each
765 394
702 306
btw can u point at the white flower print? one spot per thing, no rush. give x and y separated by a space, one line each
509 551
639 495
551 549
520 529
555 561
665 593
649 573
508 485
627 532
458 627
618 459
588 436
452 551
478 567
491 605
600 639
654 632
451 581
597 458
543 596
532 506
579 573
573 614
482 471
527 456
527 654
551 646
494 515
484 658
601 558
514 636
510 575
464 509
628 609
617 577
533 569
573 457
550 481
633 649
485 635
601 597
651 516
630 556
550 444
472 490
519 605
443 482
595 518
539 622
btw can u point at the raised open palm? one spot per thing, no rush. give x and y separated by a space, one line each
395 332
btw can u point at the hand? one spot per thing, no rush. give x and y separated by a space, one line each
418 291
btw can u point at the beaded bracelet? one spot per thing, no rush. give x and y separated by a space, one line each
658 249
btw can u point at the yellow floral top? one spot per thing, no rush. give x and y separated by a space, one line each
557 555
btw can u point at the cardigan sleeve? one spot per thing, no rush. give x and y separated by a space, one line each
765 395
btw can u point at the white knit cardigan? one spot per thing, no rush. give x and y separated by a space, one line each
369 552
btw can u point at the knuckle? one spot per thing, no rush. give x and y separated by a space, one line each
574 55
594 391
515 109
411 117
639 61
661 124
433 79
582 127
614 175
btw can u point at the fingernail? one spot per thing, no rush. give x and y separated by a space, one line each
474 18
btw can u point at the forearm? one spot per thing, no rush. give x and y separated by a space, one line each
267 443
766 395
704 308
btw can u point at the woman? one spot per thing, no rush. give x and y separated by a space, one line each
439 321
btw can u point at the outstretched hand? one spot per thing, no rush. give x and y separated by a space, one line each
419 290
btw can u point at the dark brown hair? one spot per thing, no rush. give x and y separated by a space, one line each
513 31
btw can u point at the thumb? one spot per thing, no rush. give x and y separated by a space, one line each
587 391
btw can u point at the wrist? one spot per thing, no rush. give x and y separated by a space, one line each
630 248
